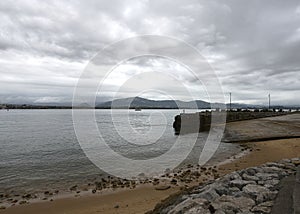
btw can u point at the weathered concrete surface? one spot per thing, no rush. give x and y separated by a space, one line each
288 199
296 193
287 126
284 200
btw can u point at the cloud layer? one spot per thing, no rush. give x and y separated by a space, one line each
253 46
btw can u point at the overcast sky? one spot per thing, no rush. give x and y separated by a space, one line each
253 46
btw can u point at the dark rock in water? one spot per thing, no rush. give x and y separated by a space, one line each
98 185
173 181
142 175
23 202
73 188
117 206
203 168
26 196
155 181
94 191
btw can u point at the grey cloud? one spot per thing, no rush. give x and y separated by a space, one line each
253 45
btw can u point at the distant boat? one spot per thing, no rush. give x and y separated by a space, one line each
138 109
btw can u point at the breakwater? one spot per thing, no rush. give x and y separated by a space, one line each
201 121
259 189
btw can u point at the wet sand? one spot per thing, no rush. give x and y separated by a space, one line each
145 197
124 201
262 152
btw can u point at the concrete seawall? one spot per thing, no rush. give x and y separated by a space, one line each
201 121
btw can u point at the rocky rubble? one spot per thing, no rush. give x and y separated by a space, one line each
251 190
184 177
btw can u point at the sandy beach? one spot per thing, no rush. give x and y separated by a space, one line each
262 152
145 197
127 201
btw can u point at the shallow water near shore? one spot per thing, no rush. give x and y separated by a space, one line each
39 149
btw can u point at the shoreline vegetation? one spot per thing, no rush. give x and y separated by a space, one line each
140 196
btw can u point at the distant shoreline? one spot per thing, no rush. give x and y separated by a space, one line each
143 103
20 107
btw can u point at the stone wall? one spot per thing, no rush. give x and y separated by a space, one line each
201 121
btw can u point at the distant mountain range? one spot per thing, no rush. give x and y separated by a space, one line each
139 102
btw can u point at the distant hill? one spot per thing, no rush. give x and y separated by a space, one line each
139 102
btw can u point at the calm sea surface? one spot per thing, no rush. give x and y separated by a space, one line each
39 148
